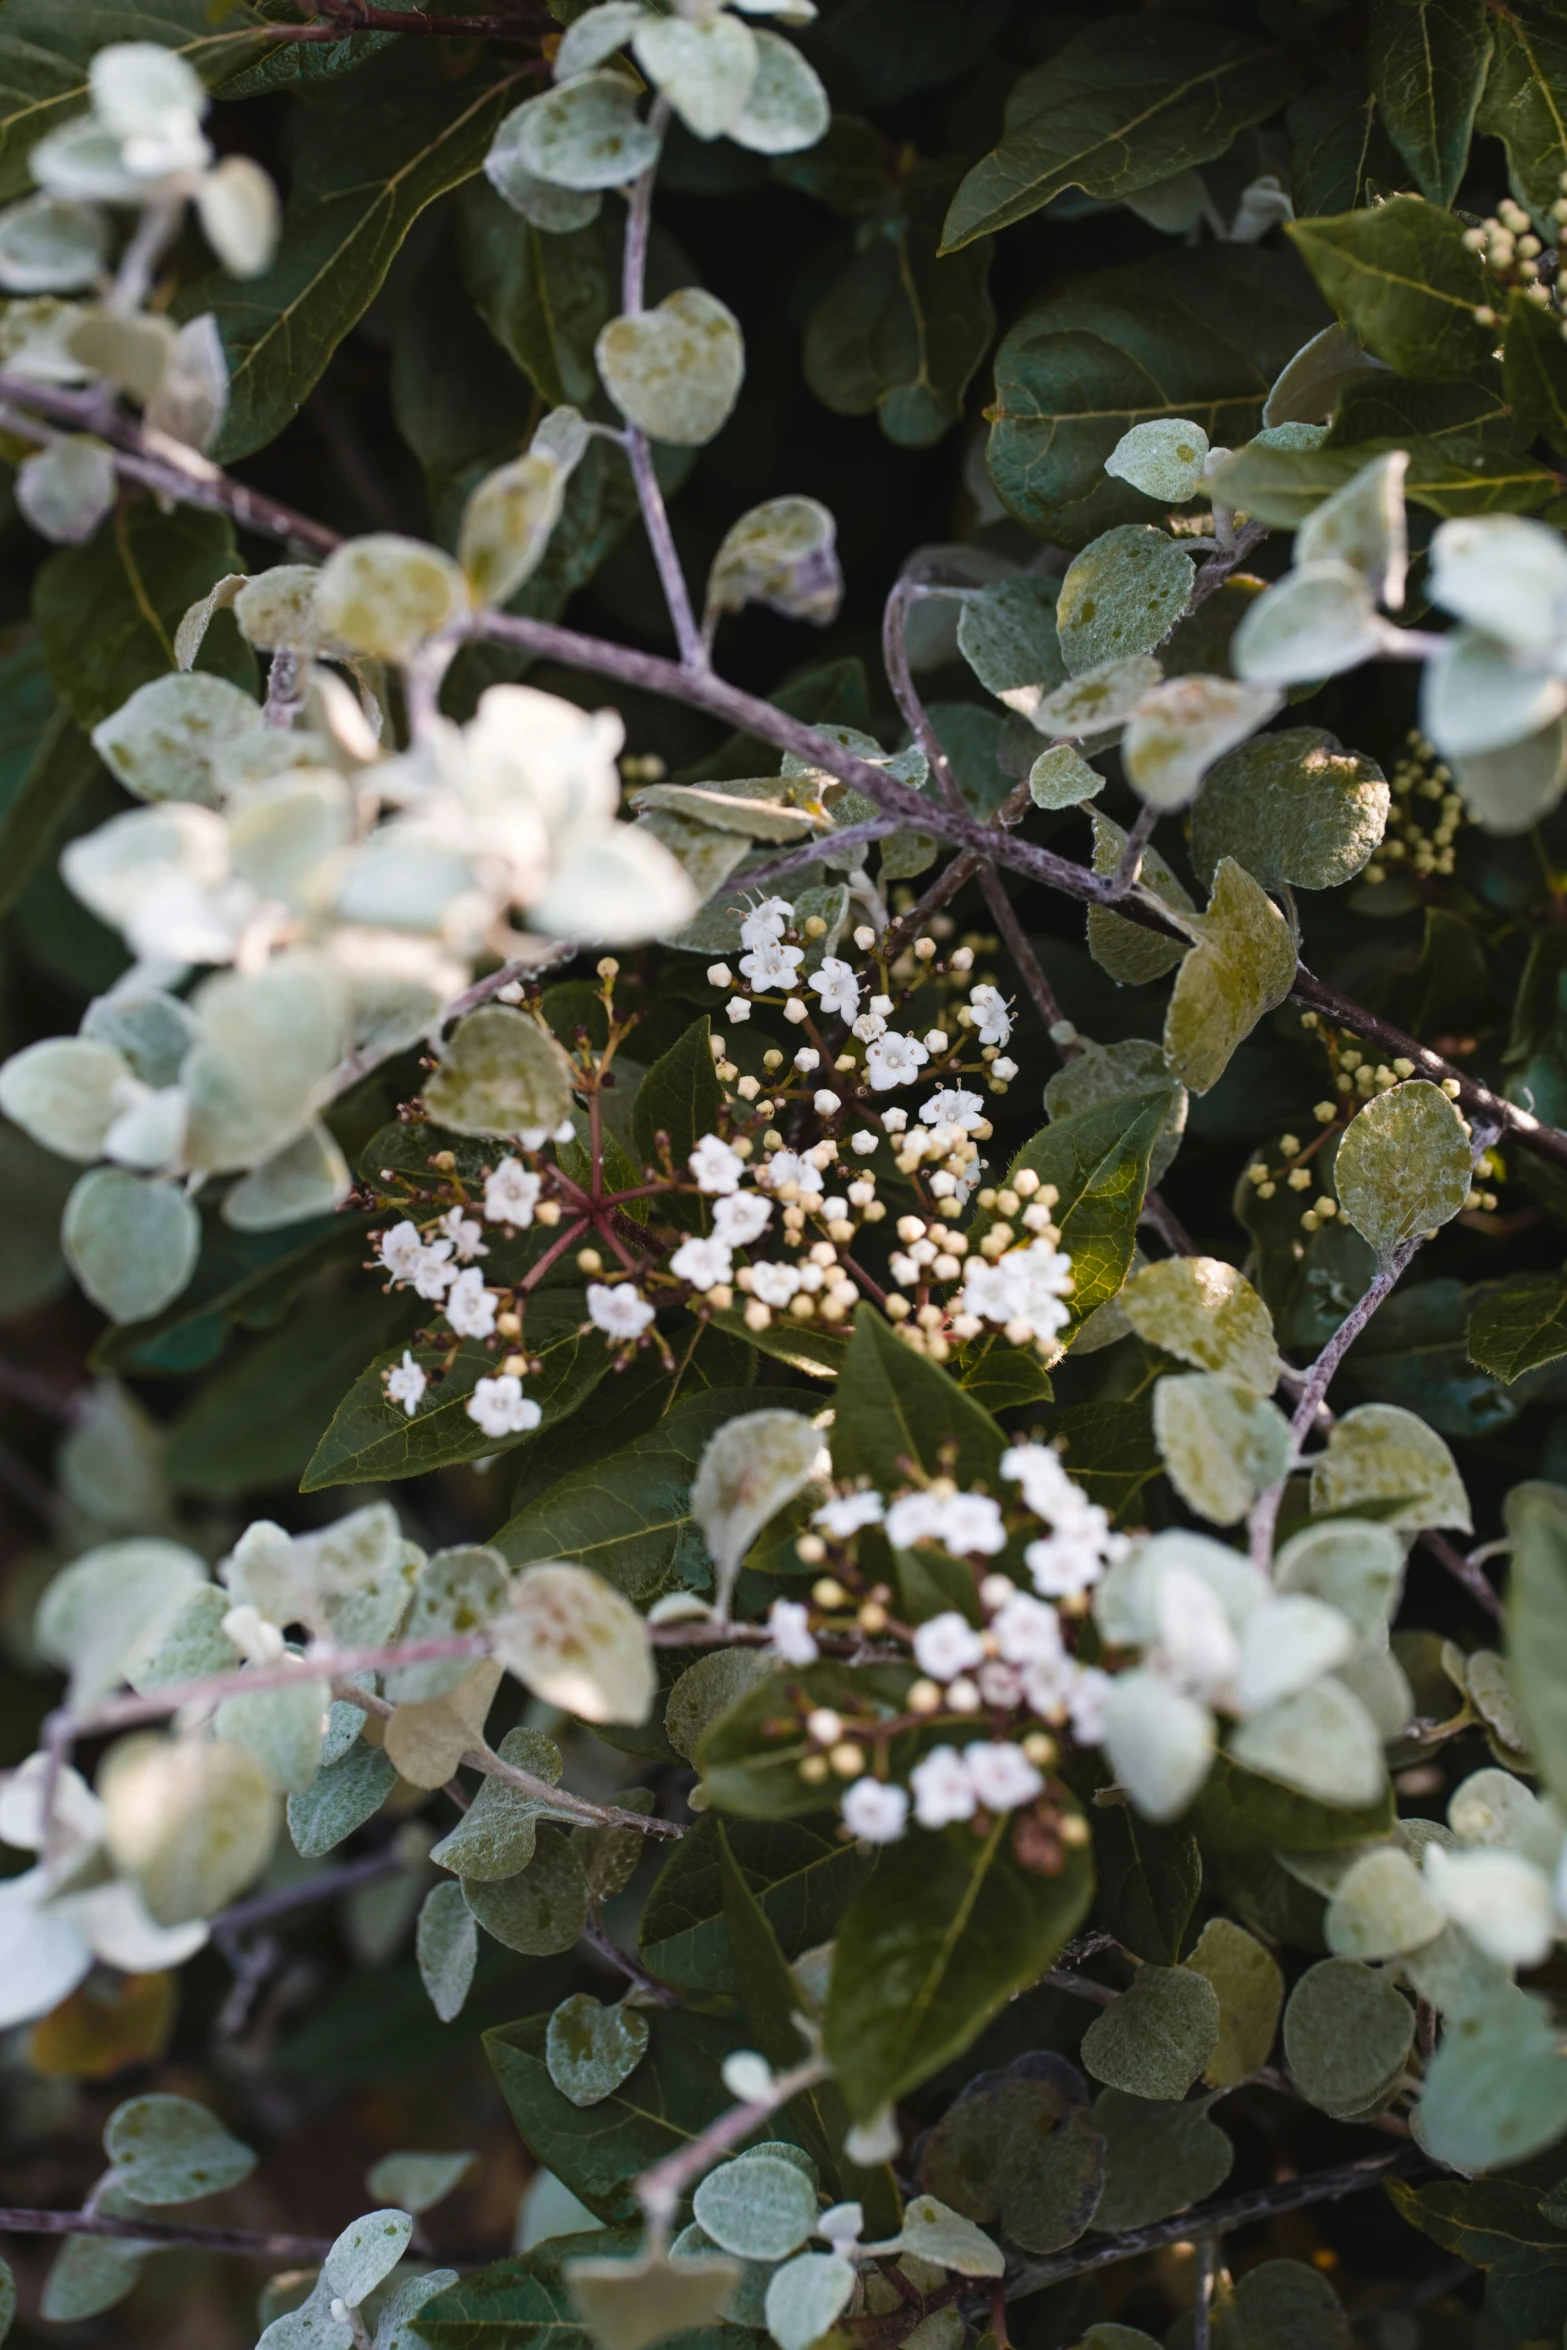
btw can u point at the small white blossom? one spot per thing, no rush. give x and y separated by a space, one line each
435 1273
768 919
869 1027
771 964
720 975
946 1646
943 1789
1086 1702
774 1284
716 1167
954 1106
877 1813
738 1008
894 1121
1064 1564
618 1312
894 1060
500 1407
742 1218
402 1250
511 1194
992 1020
845 1515
470 1307
465 1234
1026 1285
702 1262
1027 1632
792 1167
837 986
1001 1774
864 1142
807 1059
971 1522
406 1383
1037 1468
1000 1684
789 1632
825 1102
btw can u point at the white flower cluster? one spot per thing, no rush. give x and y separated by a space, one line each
1018 1661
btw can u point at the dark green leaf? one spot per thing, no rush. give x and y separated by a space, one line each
1480 2219
377 148
679 1098
599 2149
802 1874
1450 477
1526 2290
107 611
525 2303
1128 101
1534 360
1203 339
543 296
1019 2147
1003 1377
1337 145
1402 279
1519 1325
895 1407
1110 1447
627 1515
370 1439
1525 103
948 1928
1428 63
809 1347
63 764
1241 1811
751 1756
244 1278
1149 1879
1536 1520
1098 1161
1159 2158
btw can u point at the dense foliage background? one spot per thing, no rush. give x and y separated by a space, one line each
1202 1916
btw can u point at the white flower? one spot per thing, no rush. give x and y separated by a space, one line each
768 919
716 1167
774 1284
876 1812
434 1273
992 1020
702 1262
1003 1068
894 1060
946 1646
1002 1775
1000 1684
789 1632
1026 1285
807 1059
1064 1564
618 1312
511 1194
1086 1703
1037 1468
869 1026
1027 1632
465 1235
894 1121
791 1167
402 1250
972 1522
846 1514
837 986
501 1408
742 1218
1501 1900
943 1789
470 1307
739 1009
914 1517
954 1106
406 1383
771 964
826 1103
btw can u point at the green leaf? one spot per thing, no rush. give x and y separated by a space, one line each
1382 1461
800 1875
1536 1520
1131 954
1496 2089
376 149
1461 473
948 1928
1098 1160
45 51
370 1439
597 2150
526 2300
772 1996
1123 104
1201 1310
680 1097
1156 2038
1292 806
627 1514
1122 595
901 331
1020 2148
1534 363
894 1406
1243 1811
1525 104
545 298
1519 1324
1242 966
1149 1878
1337 145
541 1910
1428 67
1403 280
1347 2033
1159 2158
107 611
1250 1992
1482 2220
62 767
1204 340
749 1767
172 2150
1403 1165
1110 1447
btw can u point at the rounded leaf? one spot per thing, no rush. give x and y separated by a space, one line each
1221 1445
387 595
758 2207
1292 806
584 135
1321 1740
506 526
675 372
590 2050
163 744
191 1819
1156 2038
446 1945
1380 1908
805 2296
1380 1454
704 65
1164 459
171 2150
543 1910
707 1689
67 489
788 108
500 1074
1315 622
1121 596
1160 1742
51 247
111 1605
365 2253
750 1469
1250 1992
62 1091
1404 1165
571 1638
1207 1313
1179 729
1347 2033
784 555
132 1244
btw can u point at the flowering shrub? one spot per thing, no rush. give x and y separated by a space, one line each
935 1706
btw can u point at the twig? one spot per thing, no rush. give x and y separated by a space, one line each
157 2232
659 2190
1129 865
1216 2219
652 1990
655 518
1467 1571
1202 2307
1029 966
325 1886
848 836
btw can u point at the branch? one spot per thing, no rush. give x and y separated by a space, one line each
1016 942
659 2190
1213 2219
160 2232
655 519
